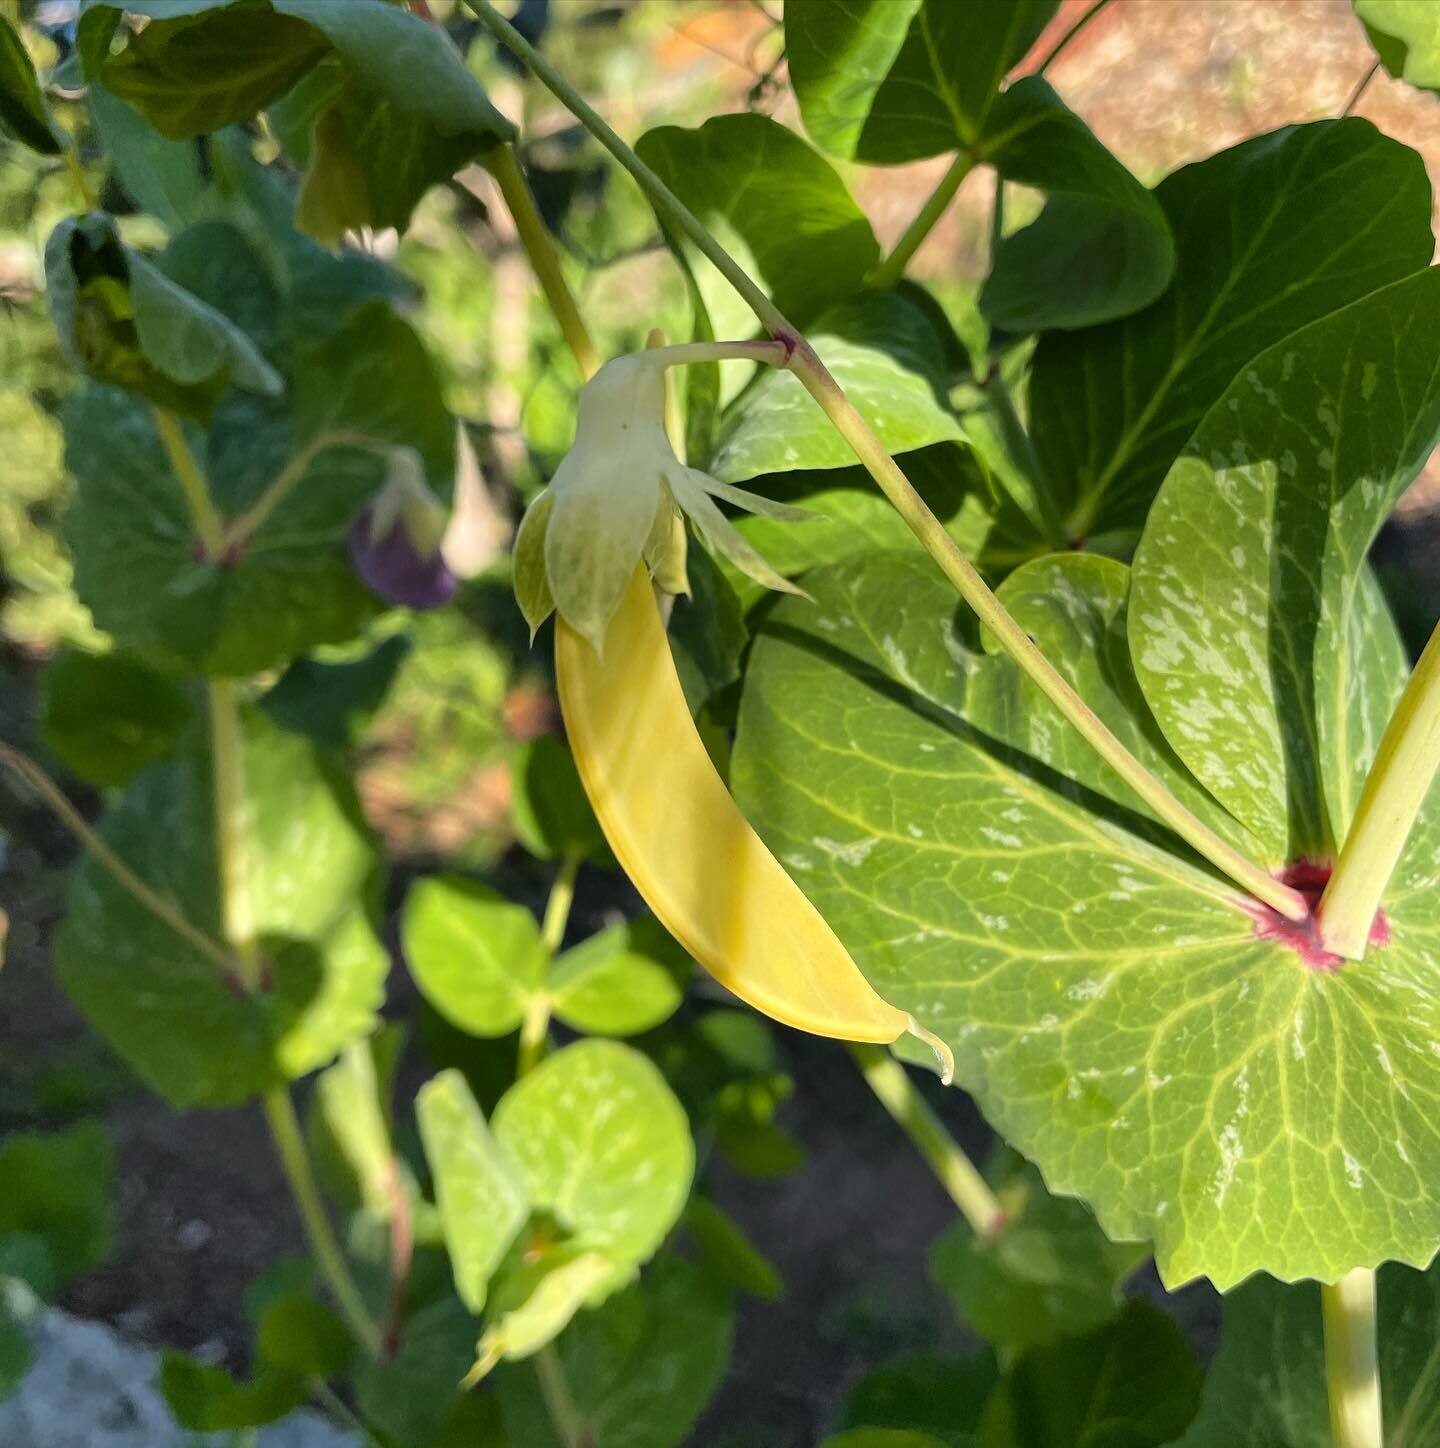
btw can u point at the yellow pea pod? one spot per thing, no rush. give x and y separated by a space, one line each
684 843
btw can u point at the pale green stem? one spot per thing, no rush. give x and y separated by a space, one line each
657 341
931 533
191 480
544 262
889 271
1060 46
227 767
1395 789
79 178
535 1027
891 1083
109 861
290 1145
243 528
573 1431
1352 1368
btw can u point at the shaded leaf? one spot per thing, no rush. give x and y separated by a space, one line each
938 1396
23 112
1256 231
303 1336
333 703
174 1015
729 1253
55 1190
208 1399
552 815
810 242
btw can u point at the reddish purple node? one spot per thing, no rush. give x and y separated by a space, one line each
1308 878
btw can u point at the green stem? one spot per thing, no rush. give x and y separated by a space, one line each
535 1027
227 757
1395 789
1021 647
1060 46
893 267
1352 1369
342 1412
290 1146
192 481
109 861
571 1427
244 527
891 1082
1021 451
79 178
544 262
931 533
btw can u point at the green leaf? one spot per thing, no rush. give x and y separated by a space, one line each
163 177
107 716
625 980
728 1252
189 74
55 1189
886 81
883 1438
23 112
937 1396
1257 258
476 957
169 1009
1267 1385
1406 37
482 1197
889 355
291 586
16 1353
209 1399
1134 1383
1100 249
1120 1014
123 321
1277 700
1049 1272
300 1335
552 814
333 703
538 1298
353 1115
603 1145
409 1396
810 242
707 630
640 1369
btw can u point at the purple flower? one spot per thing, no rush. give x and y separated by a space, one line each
394 544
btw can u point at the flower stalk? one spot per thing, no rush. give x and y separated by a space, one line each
1394 792
1352 1366
928 529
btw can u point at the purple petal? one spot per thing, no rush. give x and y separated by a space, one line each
393 569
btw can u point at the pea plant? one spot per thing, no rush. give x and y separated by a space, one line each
1028 716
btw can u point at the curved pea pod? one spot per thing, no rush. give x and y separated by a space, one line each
683 841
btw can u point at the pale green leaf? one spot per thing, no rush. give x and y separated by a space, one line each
350 1100
1406 37
603 1145
476 957
622 981
537 1301
1118 1011
887 352
1252 604
481 1197
1269 236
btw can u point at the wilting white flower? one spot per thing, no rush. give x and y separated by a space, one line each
619 495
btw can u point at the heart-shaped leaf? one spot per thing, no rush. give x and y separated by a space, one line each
1256 231
169 1009
1130 1022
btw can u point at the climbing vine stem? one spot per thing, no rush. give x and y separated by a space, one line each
816 379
